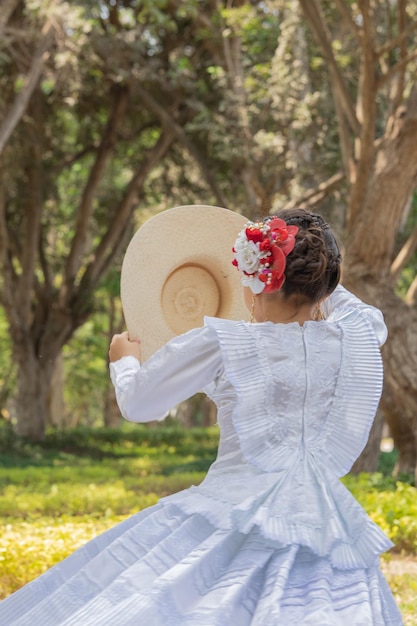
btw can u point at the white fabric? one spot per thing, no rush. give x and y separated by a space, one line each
271 537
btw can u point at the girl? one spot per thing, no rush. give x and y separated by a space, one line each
271 537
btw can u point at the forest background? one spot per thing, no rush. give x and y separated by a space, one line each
114 110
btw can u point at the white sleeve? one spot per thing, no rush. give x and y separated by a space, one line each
174 373
341 303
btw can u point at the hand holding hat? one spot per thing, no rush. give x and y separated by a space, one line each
121 345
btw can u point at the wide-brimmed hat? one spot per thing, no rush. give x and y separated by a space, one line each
177 269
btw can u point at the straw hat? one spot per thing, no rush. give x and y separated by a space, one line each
177 268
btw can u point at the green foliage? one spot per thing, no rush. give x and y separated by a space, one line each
387 461
86 372
391 504
86 444
28 549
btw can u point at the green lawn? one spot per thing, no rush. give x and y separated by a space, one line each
56 496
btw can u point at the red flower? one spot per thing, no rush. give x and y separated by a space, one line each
265 245
278 229
275 277
277 223
278 260
254 234
287 246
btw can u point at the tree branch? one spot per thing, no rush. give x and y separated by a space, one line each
400 82
7 293
7 8
394 177
85 207
396 68
404 255
366 113
232 48
32 214
389 45
43 261
411 297
113 239
347 17
366 108
31 80
345 139
168 122
69 160
311 197
311 10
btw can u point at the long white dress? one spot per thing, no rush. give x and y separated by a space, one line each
271 537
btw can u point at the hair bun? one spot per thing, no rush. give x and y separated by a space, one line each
313 267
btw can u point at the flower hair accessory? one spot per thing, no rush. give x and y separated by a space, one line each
260 253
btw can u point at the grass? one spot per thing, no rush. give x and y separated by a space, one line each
57 495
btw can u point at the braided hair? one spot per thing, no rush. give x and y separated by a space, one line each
313 267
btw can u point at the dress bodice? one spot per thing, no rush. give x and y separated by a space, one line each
295 389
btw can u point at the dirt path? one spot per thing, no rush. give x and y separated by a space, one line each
401 574
397 565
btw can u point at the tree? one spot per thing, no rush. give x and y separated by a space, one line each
94 99
377 121
68 191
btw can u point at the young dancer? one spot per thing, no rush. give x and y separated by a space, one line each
271 537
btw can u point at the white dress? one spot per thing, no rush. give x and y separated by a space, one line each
271 537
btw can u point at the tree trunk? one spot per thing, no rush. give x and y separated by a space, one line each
402 434
209 412
111 413
369 254
400 362
56 403
8 6
399 399
32 399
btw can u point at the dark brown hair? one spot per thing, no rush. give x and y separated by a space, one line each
313 267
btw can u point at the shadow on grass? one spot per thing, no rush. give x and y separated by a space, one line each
84 445
100 444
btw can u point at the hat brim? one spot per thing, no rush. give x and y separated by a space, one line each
177 269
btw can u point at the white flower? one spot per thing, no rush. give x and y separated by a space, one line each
247 255
253 282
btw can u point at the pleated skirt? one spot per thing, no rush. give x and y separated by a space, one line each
162 567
